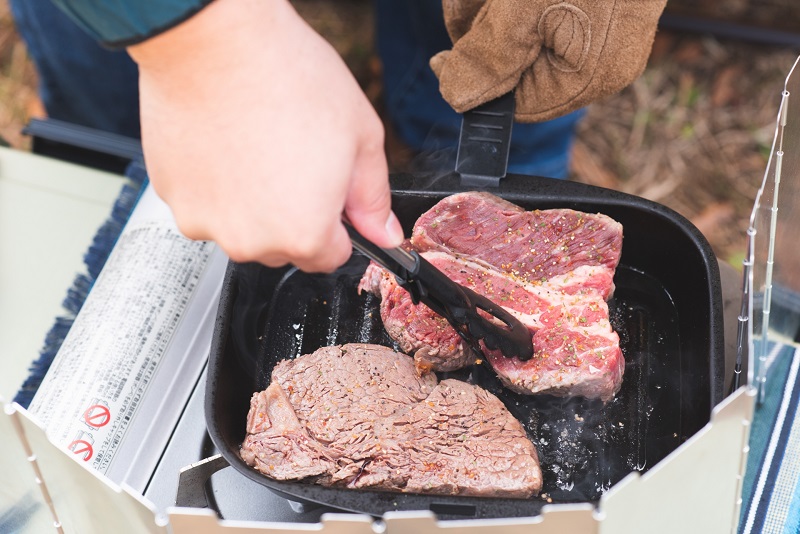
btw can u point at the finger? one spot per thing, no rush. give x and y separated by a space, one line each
458 16
368 205
332 253
312 244
334 250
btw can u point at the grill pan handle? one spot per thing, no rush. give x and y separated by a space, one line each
484 142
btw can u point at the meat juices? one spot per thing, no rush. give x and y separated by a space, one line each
552 269
360 416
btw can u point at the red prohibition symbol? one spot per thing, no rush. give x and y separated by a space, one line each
97 415
81 446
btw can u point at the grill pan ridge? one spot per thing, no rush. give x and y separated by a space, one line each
666 308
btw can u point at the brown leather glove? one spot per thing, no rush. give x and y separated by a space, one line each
560 56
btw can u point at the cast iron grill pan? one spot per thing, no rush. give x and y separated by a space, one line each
666 309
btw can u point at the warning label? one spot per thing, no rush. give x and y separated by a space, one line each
82 446
118 340
97 415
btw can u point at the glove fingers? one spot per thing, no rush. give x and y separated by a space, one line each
570 75
477 70
458 16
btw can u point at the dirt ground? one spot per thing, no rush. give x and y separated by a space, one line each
693 133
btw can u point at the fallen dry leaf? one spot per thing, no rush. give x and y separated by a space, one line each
725 90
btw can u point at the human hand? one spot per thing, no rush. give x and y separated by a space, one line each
559 56
258 137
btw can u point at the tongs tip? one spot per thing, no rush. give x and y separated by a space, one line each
456 303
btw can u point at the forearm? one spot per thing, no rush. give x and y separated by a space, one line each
216 36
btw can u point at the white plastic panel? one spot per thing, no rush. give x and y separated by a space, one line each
23 507
85 502
49 213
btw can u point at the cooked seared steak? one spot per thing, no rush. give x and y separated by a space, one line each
360 416
553 269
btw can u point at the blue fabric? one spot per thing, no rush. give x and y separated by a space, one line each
771 486
120 23
79 81
409 33
793 519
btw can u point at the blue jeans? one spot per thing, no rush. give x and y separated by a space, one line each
84 83
409 33
79 81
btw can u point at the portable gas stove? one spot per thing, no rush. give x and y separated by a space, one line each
177 483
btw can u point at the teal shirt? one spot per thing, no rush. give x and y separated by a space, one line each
120 23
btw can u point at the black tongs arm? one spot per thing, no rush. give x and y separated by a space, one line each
456 303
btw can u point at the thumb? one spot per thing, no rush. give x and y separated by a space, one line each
368 205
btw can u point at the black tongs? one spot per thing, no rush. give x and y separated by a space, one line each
456 303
